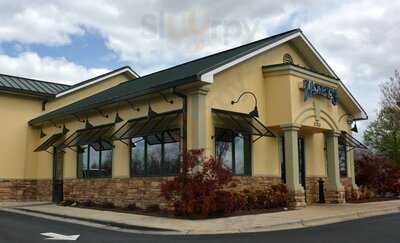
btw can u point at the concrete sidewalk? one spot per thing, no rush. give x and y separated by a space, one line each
310 216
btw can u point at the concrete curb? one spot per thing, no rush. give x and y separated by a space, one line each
325 220
86 222
296 224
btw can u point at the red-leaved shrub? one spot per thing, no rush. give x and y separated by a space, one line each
204 187
377 173
272 196
197 188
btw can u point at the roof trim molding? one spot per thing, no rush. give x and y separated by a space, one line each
97 80
209 75
277 69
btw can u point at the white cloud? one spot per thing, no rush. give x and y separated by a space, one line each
31 65
359 40
33 22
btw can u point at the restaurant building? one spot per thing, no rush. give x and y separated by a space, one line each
273 111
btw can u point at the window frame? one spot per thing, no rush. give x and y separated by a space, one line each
162 162
247 154
83 176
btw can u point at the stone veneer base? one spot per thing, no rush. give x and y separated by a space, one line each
25 190
312 190
297 199
145 191
139 191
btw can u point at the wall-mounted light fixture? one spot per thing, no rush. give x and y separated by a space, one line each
254 112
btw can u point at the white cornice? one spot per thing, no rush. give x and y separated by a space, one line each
94 81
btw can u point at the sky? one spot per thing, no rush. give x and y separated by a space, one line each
70 41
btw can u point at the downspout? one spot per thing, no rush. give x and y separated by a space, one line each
184 119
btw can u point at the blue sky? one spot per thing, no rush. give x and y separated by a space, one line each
70 41
88 50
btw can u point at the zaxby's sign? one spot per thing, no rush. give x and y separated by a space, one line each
311 89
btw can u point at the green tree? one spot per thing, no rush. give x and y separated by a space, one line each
383 134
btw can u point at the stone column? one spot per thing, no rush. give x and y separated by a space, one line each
296 190
197 119
350 162
335 190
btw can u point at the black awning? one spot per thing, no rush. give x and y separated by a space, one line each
351 142
144 126
240 123
168 136
99 137
54 140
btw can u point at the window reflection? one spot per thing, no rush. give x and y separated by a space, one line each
106 162
154 159
137 156
239 155
342 158
156 154
224 153
233 149
94 163
171 157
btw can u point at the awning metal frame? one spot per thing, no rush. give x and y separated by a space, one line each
351 142
50 142
136 126
88 134
234 115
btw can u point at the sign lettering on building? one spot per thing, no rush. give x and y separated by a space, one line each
311 89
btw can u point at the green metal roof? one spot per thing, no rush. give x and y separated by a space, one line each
168 78
28 86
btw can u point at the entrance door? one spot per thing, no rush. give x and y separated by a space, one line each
283 160
58 163
302 163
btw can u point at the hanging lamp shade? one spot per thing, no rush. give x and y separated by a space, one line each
354 128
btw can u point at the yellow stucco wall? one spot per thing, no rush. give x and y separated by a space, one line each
86 91
16 136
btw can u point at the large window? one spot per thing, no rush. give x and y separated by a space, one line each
234 150
342 158
156 154
94 162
